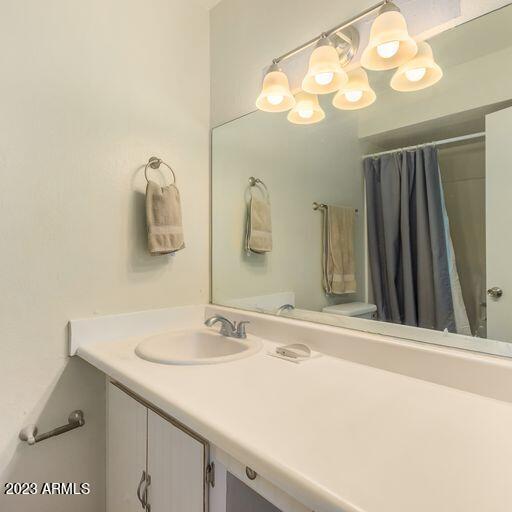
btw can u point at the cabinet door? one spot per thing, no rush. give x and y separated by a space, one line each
126 450
176 465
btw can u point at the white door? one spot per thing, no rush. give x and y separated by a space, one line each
126 451
499 223
176 466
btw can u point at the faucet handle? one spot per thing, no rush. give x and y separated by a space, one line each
240 329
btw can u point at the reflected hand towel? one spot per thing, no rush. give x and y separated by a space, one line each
259 226
163 215
338 251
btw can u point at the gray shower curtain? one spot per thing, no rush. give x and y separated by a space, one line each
407 241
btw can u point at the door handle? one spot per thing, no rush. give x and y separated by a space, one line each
143 480
495 292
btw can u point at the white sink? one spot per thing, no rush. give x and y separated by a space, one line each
197 346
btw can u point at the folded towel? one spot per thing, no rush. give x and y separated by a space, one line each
338 251
163 215
258 236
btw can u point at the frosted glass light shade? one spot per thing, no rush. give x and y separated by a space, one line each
424 60
324 61
387 30
358 88
307 109
275 93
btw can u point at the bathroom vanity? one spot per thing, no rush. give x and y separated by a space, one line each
370 424
155 462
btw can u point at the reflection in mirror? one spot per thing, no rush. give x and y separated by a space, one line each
390 219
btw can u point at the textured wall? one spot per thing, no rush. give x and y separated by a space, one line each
90 90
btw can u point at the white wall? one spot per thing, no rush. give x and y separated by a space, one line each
90 90
299 165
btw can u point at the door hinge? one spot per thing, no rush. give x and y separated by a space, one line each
210 474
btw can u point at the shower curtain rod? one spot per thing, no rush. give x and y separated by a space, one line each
442 142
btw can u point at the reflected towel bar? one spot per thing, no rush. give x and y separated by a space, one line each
29 434
322 206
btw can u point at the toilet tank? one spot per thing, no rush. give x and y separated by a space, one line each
356 309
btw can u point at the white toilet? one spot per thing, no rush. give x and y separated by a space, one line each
355 309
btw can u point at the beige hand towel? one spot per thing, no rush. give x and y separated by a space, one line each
258 236
338 251
163 215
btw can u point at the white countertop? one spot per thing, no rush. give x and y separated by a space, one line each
336 435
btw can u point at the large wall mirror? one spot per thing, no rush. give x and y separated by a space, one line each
392 219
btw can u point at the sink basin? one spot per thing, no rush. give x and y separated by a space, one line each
196 346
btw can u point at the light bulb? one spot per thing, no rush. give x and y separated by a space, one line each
324 78
416 74
275 99
306 113
353 96
388 50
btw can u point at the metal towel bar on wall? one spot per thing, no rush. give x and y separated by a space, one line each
322 206
29 434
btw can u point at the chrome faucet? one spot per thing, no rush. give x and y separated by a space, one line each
228 328
284 307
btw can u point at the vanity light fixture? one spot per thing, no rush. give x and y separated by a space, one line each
275 93
307 109
390 44
325 74
419 73
357 93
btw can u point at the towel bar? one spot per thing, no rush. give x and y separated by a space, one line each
30 435
322 206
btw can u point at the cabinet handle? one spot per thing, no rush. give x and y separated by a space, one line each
142 481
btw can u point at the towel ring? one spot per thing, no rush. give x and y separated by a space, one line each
253 182
155 163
